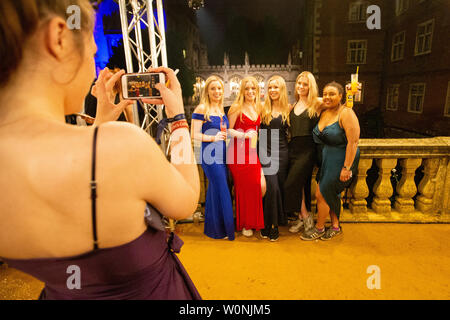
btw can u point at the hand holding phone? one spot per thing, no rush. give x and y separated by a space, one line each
138 86
171 95
103 90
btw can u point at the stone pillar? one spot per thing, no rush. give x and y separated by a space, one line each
427 186
407 189
359 188
383 187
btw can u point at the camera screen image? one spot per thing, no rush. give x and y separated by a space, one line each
142 85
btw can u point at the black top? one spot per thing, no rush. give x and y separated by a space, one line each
302 125
276 124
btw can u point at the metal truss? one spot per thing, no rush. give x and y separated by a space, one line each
134 14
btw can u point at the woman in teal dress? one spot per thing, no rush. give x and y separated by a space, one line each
210 125
337 136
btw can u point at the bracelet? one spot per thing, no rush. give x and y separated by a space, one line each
163 124
179 124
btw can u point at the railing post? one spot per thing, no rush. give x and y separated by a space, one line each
427 186
407 189
383 187
359 189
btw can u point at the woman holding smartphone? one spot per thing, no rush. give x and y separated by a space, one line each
210 125
242 158
84 206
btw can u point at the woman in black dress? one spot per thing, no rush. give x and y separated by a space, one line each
273 150
302 151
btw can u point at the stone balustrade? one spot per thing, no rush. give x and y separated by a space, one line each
419 196
411 200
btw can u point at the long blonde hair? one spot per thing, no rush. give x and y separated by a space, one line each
205 100
266 113
238 104
313 101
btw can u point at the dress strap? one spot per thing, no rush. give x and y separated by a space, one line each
94 191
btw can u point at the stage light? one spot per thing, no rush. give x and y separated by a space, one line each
196 4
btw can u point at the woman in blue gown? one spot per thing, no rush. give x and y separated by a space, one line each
209 126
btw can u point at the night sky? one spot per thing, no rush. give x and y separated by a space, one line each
213 19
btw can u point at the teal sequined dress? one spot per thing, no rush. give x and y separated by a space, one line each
332 144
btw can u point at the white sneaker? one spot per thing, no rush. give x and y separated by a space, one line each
296 226
247 233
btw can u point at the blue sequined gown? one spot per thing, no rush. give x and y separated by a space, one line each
219 220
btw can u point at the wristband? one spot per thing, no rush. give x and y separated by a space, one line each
179 124
163 124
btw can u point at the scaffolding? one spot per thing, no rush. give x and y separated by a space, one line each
134 14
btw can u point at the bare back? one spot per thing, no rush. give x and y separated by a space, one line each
45 206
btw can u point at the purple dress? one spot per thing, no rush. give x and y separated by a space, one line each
145 268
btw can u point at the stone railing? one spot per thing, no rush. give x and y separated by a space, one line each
419 195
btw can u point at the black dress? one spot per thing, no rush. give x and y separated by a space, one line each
302 157
273 151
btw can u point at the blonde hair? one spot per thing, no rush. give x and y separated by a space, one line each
239 102
312 101
266 113
205 100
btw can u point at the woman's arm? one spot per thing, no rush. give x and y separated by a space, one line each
350 123
232 117
196 129
171 187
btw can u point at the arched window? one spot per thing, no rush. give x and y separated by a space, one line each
261 83
235 83
198 87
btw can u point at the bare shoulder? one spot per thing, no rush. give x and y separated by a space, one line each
201 109
125 141
348 117
233 109
348 113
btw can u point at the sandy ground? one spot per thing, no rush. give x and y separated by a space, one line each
406 261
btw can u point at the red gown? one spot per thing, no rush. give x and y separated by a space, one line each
245 168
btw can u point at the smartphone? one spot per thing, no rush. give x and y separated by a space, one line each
141 85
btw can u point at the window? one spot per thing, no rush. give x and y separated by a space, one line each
356 51
235 84
401 6
416 97
424 37
447 102
358 12
398 46
392 97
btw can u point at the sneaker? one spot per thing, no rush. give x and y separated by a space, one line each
312 234
296 226
247 233
309 222
264 233
330 233
274 234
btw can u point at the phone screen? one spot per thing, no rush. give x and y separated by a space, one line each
142 85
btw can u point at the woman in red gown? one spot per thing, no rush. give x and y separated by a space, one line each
242 158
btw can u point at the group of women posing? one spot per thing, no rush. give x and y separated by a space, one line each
292 139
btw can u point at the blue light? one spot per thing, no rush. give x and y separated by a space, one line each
104 51
106 42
